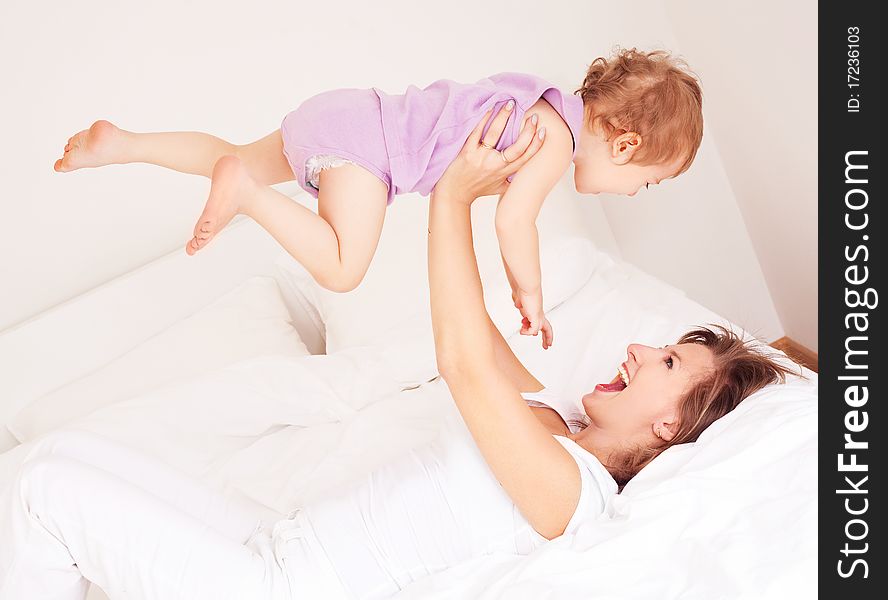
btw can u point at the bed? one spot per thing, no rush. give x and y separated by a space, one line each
235 359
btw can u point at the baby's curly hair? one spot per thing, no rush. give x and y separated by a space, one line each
651 93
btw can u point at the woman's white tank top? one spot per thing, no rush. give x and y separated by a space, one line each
435 507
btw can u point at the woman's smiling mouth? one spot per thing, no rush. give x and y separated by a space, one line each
619 383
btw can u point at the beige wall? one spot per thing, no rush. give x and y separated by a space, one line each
223 67
235 72
758 63
689 231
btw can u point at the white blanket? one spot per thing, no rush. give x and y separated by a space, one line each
289 415
284 430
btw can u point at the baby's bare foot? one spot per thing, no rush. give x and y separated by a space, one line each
93 147
229 190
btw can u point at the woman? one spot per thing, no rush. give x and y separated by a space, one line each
83 507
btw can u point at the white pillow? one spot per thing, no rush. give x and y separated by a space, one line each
394 314
741 501
746 489
249 321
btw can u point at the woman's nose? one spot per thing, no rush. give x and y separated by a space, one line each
639 352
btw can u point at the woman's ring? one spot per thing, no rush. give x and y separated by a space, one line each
488 146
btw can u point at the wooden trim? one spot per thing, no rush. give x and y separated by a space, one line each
797 352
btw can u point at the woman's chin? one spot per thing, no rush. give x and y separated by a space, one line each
597 404
598 395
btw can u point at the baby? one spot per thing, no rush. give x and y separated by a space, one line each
635 121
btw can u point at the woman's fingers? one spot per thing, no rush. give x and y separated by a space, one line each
536 142
476 171
475 136
498 125
526 144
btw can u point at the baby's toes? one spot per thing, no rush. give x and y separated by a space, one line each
62 165
204 230
191 247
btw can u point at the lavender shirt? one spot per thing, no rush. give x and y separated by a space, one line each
408 140
426 128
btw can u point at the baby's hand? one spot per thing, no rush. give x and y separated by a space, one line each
533 318
546 328
531 307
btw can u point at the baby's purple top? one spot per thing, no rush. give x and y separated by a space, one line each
426 128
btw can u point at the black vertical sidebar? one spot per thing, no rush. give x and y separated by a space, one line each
853 433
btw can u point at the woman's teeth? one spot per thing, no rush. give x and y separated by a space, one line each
624 375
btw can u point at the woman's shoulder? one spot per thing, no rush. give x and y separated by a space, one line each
553 405
550 418
597 484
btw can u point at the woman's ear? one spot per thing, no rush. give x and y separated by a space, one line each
624 145
665 430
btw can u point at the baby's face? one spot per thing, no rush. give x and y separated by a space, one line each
603 176
601 166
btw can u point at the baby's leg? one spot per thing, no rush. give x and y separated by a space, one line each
184 151
335 245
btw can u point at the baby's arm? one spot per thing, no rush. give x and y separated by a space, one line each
519 247
512 283
520 242
516 215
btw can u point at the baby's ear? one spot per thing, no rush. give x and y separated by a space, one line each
624 146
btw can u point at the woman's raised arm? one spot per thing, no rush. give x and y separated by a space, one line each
540 476
479 171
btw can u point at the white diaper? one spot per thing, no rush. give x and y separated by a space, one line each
317 163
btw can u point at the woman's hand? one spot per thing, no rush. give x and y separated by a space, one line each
478 169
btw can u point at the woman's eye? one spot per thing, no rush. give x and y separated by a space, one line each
647 185
668 361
